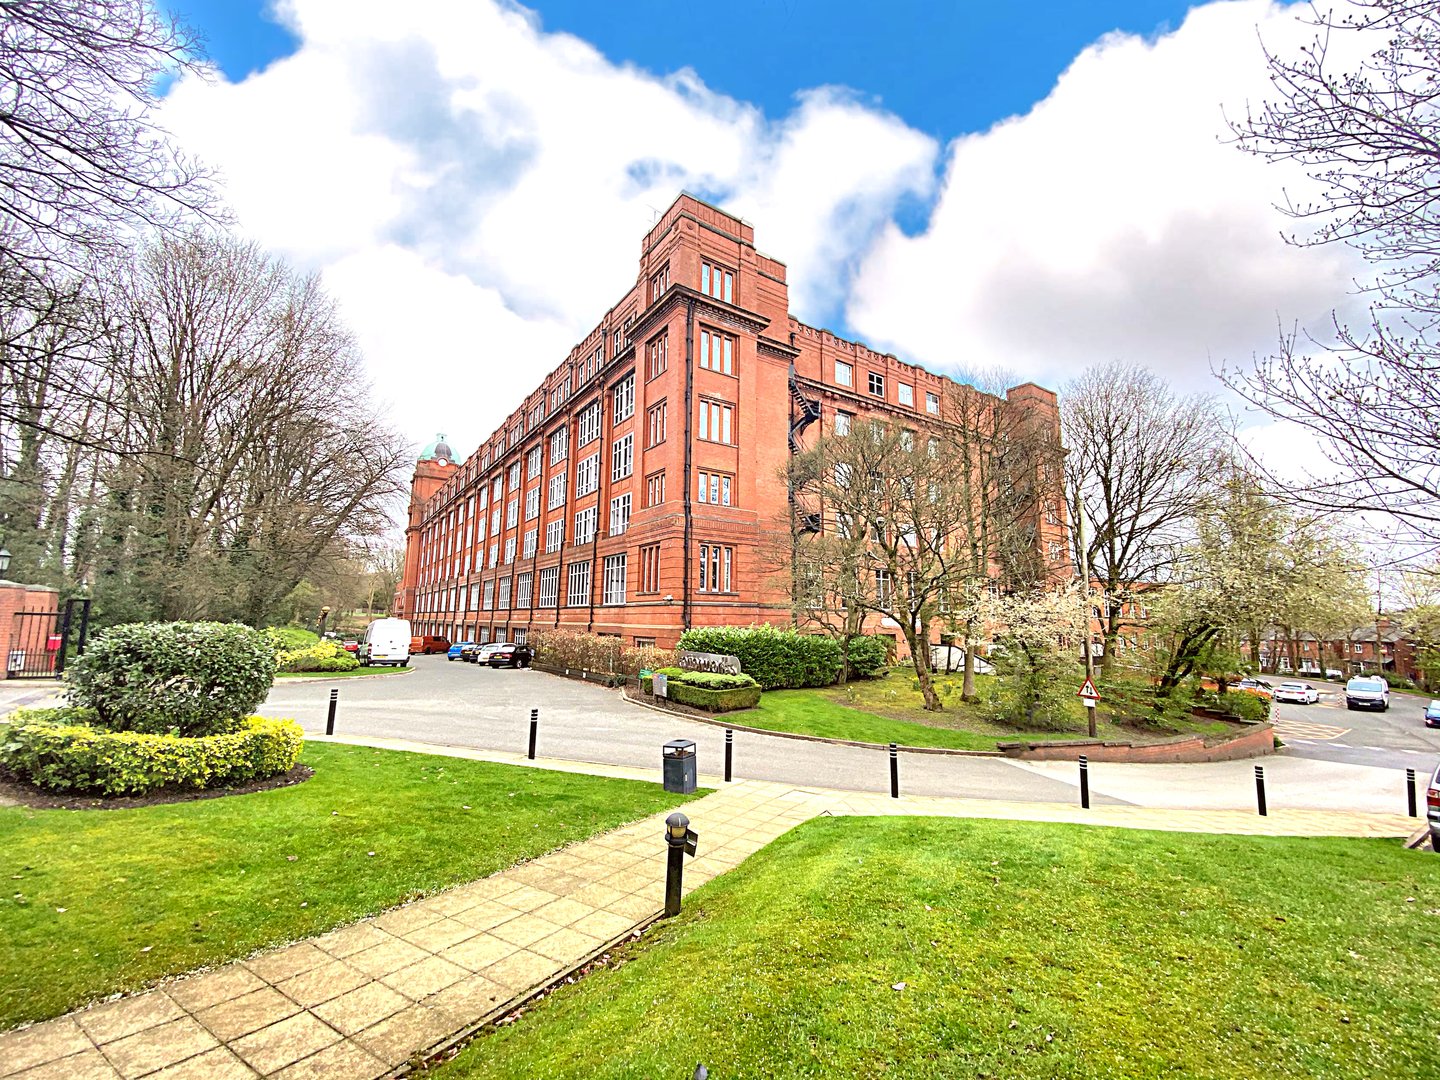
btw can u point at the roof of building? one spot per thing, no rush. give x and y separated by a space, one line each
437 449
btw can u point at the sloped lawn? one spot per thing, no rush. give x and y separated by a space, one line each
924 948
106 900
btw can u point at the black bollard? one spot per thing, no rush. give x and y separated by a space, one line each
1260 789
729 750
1410 791
679 841
534 728
894 771
330 720
1084 782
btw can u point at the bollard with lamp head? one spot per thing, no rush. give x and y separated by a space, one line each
680 840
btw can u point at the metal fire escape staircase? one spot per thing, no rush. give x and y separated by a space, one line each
804 411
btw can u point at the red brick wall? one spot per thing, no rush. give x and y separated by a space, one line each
17 598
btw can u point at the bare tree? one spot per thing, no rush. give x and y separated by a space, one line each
1369 135
1141 461
81 157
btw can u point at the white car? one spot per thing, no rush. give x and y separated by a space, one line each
1302 693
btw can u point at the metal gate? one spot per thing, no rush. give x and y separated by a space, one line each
42 640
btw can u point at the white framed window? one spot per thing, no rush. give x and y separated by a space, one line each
656 424
585 525
714 488
487 600
559 445
577 592
589 425
932 403
877 384
715 563
717 281
906 392
498 488
614 591
715 421
554 535
494 559
503 600
622 457
587 475
556 495
509 550
619 514
907 439
484 499
842 423
625 399
512 512
495 519
655 488
514 476
844 374
549 587
533 461
717 351
531 536
532 503
523 584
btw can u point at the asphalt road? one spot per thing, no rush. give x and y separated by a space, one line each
1396 739
456 704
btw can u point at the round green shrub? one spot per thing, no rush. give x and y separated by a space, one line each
63 750
175 678
869 655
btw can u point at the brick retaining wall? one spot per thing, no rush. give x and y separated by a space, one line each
1260 739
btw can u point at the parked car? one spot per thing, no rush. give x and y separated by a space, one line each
457 649
1432 808
387 641
1432 714
1301 693
352 646
429 643
508 655
1367 692
484 652
469 651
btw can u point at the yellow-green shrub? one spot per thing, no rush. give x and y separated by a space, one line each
326 655
60 750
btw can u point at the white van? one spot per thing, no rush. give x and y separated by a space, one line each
387 641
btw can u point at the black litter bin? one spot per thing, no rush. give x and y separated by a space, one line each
677 761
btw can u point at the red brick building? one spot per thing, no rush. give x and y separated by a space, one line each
629 492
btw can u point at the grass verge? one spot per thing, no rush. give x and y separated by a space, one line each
109 900
930 948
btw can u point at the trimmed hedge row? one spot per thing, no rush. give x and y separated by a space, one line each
774 656
322 656
63 750
696 689
869 655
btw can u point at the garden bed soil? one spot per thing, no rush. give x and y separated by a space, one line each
16 792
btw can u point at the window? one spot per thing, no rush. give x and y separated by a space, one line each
844 374
655 489
559 445
877 384
932 448
625 399
554 535
657 357
715 421
494 556
650 568
883 588
503 600
487 600
555 497
549 587
587 475
512 512
717 351
714 488
622 458
514 476
907 440
531 536
533 462
498 488
614 592
522 589
659 282
532 503
484 500
932 403
656 425
619 514
509 550
589 425
585 526
495 519
842 423
906 392
715 560
577 593
718 282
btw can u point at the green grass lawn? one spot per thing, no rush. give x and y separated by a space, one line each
891 710
924 948
107 900
343 674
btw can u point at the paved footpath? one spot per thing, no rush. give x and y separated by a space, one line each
365 1000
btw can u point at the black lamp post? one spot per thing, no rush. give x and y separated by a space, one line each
4 559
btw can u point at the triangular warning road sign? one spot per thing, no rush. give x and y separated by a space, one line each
1089 691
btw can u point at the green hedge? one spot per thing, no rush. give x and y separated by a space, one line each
711 700
869 655
62 750
708 680
174 678
322 656
774 656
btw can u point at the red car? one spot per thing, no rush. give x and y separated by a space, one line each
429 644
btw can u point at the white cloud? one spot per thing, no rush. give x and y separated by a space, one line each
474 190
1113 221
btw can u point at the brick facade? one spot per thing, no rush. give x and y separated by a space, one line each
698 382
16 598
